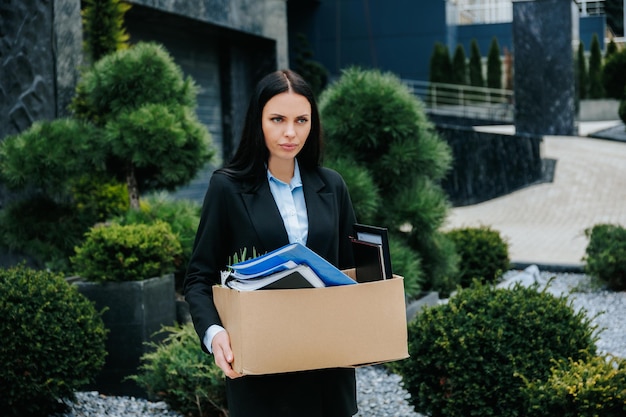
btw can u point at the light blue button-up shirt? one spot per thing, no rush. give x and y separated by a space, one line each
292 207
290 201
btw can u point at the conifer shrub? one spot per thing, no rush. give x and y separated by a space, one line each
178 372
605 255
614 74
582 388
393 161
596 87
484 254
52 341
472 356
581 72
114 252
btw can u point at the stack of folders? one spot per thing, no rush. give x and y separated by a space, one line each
291 266
370 246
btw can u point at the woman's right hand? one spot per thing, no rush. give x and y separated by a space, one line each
223 354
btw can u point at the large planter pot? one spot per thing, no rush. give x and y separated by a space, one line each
135 310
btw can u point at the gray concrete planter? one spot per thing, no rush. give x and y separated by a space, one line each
135 310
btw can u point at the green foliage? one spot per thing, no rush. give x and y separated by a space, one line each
146 107
596 88
475 66
583 388
103 23
614 75
471 356
52 341
611 48
183 217
622 108
99 198
131 252
459 66
405 259
440 65
494 65
312 71
373 122
178 372
50 154
605 255
484 254
581 72
43 229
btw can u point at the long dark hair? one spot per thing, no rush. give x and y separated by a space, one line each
250 159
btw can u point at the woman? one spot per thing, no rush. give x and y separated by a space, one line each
272 193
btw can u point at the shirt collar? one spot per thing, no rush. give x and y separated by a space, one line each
295 182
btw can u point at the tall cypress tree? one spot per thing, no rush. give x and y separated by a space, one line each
494 65
596 89
475 66
611 48
581 72
459 66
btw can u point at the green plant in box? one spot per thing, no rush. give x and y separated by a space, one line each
52 341
114 252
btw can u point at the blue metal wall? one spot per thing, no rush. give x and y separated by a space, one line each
395 35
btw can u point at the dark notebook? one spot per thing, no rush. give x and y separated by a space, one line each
368 261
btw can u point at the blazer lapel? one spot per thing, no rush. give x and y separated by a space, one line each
265 217
320 209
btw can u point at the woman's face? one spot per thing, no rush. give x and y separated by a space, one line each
286 123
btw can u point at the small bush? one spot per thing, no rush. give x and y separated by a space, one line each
484 254
183 216
596 387
622 109
134 252
98 198
470 357
178 372
52 341
605 255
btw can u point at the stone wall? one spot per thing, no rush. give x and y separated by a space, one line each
40 54
489 165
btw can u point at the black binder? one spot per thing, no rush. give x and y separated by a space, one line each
371 248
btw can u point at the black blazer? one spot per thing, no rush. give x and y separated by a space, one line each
238 215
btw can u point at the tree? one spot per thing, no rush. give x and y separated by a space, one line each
459 66
614 74
475 66
596 89
146 109
494 65
581 72
311 70
379 134
103 22
611 48
440 65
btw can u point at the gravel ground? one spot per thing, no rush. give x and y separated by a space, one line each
380 394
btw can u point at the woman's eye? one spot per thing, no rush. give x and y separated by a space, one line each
302 120
277 119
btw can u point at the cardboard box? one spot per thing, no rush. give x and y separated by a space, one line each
275 331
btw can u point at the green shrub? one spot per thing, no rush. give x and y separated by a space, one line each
178 372
183 216
469 357
99 198
605 255
133 252
596 387
622 108
52 341
614 74
484 254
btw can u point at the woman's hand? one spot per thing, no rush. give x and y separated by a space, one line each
223 354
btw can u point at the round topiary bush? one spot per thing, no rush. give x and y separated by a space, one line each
133 252
605 255
52 341
178 372
596 387
471 356
484 254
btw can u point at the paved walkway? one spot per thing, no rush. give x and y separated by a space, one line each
544 224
